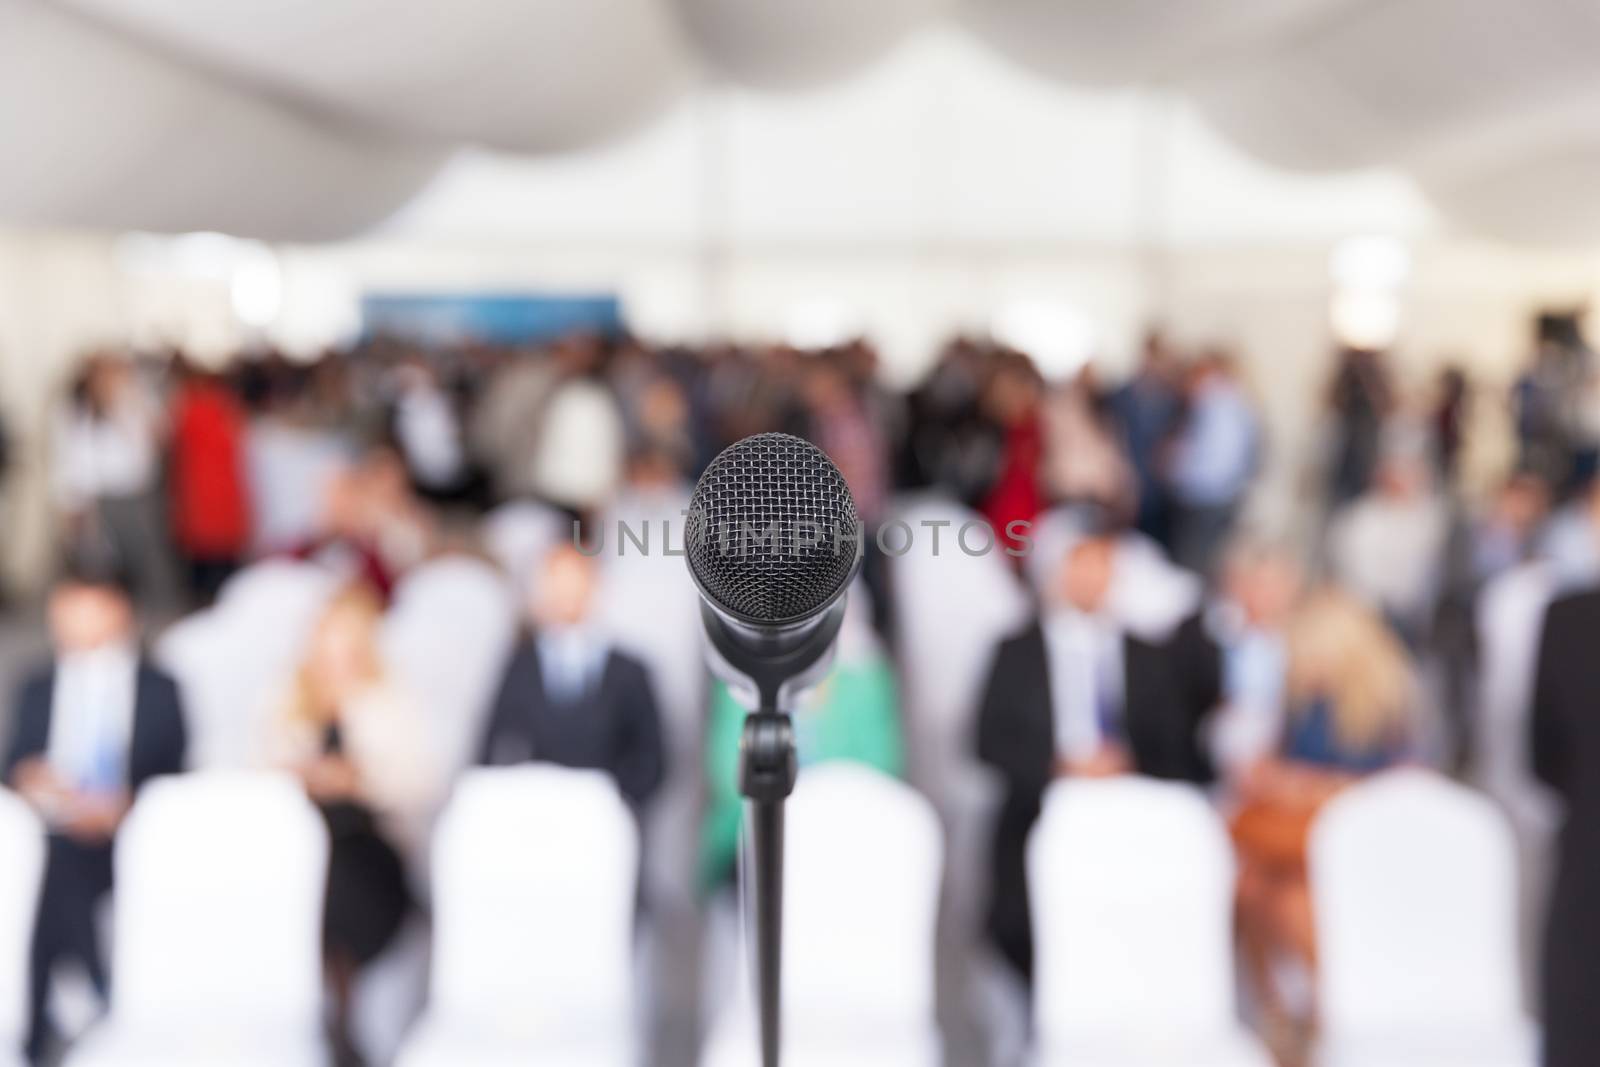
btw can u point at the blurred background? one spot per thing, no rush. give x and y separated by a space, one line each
327 331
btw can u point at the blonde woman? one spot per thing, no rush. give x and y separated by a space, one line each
1350 711
355 740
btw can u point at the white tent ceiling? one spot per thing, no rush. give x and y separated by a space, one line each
313 119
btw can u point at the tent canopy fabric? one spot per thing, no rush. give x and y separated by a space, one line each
313 121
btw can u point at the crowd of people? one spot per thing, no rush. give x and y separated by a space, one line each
1169 633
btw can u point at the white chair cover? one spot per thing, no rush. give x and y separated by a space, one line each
22 860
950 611
1131 882
535 882
217 947
861 901
230 658
647 603
1414 880
1510 620
449 630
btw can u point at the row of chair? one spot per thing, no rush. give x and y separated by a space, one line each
1414 881
216 927
217 917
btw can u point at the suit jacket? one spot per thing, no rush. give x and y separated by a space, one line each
1565 747
1197 669
614 727
159 741
1016 736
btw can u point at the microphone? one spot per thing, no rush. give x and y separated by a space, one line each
773 541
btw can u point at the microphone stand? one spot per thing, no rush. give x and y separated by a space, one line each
768 765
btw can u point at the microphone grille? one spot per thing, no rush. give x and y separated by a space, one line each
772 534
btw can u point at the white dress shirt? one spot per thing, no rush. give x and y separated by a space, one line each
91 717
114 456
1084 662
570 660
1255 667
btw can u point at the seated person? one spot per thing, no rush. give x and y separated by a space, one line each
356 740
1350 711
852 714
568 696
1076 694
88 731
1262 584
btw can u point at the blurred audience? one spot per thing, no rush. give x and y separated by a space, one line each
1075 694
1349 711
1214 460
1148 407
1083 460
1262 582
1011 400
87 731
1452 407
1360 399
568 696
348 730
106 465
1164 643
210 505
371 527
427 430
1387 544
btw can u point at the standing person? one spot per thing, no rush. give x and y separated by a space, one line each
1360 398
1452 407
1012 402
569 697
842 426
210 505
356 740
89 730
1566 756
106 446
1388 545
1084 462
1148 406
428 434
1214 459
1074 694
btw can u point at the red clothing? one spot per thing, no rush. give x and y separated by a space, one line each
1016 493
210 508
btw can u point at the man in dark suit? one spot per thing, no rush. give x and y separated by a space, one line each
1075 694
569 697
88 731
1566 755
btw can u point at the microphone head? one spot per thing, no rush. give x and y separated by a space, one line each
772 536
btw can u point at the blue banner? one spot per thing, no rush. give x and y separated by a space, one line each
504 318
